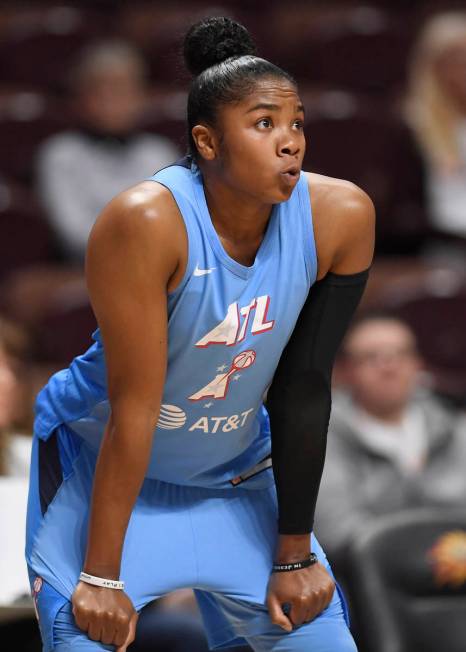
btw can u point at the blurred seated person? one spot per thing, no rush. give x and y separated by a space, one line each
15 453
392 443
436 111
79 171
15 403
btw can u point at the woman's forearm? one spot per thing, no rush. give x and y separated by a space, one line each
299 399
120 471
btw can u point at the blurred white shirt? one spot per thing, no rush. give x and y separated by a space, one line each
18 456
405 442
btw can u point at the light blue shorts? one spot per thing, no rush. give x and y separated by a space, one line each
218 542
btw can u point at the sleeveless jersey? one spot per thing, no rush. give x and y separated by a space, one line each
227 327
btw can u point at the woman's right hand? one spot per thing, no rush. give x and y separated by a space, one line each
106 615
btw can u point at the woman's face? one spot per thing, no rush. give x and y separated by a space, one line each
261 141
9 392
451 71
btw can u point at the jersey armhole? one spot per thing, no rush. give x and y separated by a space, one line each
310 250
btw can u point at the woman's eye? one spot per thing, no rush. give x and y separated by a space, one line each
264 122
299 124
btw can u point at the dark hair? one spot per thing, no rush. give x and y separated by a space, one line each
221 55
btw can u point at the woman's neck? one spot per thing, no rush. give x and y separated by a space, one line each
236 216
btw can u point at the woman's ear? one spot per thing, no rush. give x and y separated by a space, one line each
206 142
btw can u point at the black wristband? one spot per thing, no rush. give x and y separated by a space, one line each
296 565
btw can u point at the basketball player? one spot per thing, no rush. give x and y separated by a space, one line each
151 464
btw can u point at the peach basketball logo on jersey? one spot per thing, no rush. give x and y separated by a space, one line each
218 387
244 359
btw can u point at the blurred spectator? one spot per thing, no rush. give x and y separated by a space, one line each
436 110
80 171
15 452
15 403
392 444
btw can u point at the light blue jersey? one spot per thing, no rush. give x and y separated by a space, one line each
228 325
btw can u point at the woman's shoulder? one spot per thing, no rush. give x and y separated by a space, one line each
140 227
337 195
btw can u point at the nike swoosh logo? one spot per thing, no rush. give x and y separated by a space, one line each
202 272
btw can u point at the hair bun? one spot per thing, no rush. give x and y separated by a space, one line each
213 40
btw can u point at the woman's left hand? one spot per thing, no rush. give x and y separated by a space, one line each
307 592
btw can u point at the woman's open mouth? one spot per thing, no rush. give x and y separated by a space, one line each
291 175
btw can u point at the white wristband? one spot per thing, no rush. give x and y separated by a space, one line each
100 581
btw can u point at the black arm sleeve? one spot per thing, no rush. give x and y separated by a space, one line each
299 398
